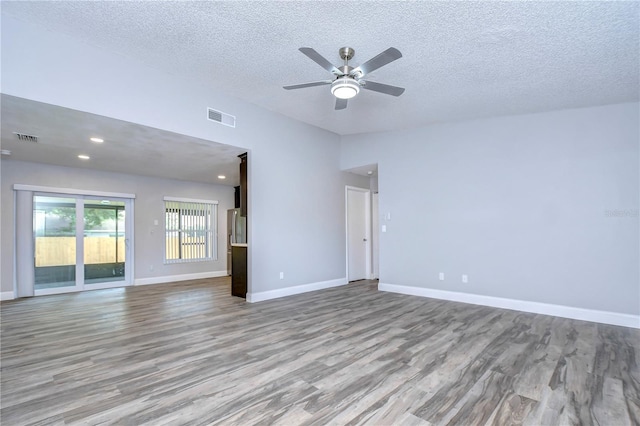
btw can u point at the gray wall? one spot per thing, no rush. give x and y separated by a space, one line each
149 206
296 188
540 207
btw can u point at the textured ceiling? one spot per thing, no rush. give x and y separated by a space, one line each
64 133
461 60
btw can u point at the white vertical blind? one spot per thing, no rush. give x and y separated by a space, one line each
25 272
190 230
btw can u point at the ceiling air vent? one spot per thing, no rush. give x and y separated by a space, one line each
26 138
221 117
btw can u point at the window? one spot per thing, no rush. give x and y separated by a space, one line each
190 230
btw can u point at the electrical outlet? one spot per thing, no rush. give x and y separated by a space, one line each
282 275
465 278
441 276
384 228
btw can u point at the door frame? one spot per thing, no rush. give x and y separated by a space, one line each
375 236
81 284
367 225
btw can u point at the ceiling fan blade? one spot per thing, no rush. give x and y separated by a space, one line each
303 85
320 60
382 88
341 104
389 55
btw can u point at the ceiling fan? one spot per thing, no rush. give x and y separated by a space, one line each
349 80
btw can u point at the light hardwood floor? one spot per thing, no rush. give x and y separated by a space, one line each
189 353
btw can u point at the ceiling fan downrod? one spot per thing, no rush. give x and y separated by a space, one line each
346 54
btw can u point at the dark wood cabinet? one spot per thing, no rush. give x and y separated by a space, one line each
239 271
243 184
236 197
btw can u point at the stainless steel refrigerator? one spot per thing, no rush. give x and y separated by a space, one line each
236 232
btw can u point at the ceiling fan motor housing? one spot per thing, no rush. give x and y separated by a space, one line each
345 70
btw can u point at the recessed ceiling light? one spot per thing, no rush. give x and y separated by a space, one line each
97 140
370 172
222 177
105 202
83 157
5 152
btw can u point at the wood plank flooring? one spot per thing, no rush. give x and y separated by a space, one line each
189 353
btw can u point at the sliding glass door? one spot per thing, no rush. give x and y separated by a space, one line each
81 242
55 242
104 241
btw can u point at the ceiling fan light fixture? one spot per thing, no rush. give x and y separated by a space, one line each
345 88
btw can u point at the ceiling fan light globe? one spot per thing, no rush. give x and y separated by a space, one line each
345 88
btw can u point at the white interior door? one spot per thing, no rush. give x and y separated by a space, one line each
358 240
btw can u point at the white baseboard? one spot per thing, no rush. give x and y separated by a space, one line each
289 291
183 277
604 317
7 295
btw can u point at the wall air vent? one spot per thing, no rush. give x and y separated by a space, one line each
221 117
26 138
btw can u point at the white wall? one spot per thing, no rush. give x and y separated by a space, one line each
521 204
296 189
149 206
